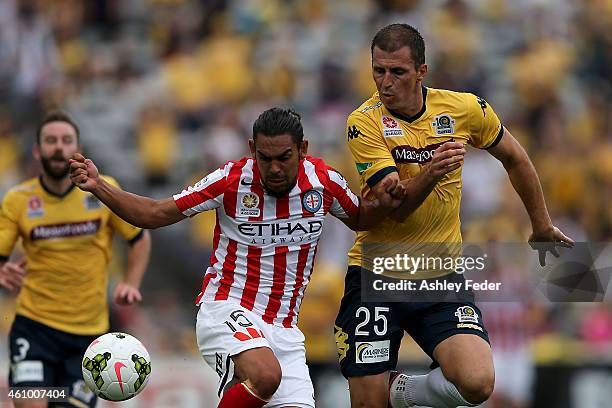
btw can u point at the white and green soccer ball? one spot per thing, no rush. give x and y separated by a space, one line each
116 366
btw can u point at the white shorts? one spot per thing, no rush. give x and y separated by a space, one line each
218 342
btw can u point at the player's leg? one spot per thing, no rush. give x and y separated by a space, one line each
370 390
31 404
71 373
454 337
33 356
295 389
259 370
368 336
231 340
466 361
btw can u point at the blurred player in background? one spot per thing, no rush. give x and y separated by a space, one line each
394 136
62 281
270 209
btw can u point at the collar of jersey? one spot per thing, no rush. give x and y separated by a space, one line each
411 119
51 193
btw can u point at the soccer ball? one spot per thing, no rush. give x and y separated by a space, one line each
116 366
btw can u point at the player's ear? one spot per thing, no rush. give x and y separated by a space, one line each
421 72
252 147
303 149
36 151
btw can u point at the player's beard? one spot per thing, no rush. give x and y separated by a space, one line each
57 174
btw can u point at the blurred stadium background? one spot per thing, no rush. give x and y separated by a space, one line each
166 90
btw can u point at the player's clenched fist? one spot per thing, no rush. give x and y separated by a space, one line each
83 173
393 195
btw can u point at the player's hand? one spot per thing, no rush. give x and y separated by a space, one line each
83 173
392 195
446 158
394 187
549 241
12 275
126 294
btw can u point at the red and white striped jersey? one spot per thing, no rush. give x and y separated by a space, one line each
264 246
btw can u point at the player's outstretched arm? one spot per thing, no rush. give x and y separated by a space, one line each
525 180
446 158
139 211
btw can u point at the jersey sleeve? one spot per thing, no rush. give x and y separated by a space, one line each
128 231
370 152
9 228
485 127
345 203
206 194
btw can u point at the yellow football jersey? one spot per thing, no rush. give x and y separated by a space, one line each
382 142
67 241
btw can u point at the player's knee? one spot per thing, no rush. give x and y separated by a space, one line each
372 393
266 382
365 403
476 389
31 404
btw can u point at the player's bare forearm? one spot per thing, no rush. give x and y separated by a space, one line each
417 189
138 260
371 213
140 211
143 212
525 181
524 178
389 195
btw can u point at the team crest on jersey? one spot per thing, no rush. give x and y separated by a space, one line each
92 203
249 205
391 128
444 124
466 314
35 207
312 201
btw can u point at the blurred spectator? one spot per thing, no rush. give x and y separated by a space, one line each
158 144
11 153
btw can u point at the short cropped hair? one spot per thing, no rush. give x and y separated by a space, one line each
279 121
56 116
395 36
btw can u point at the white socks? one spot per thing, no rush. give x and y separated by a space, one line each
431 390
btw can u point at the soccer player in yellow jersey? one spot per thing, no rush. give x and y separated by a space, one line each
397 134
62 282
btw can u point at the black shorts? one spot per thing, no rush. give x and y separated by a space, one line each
368 334
44 357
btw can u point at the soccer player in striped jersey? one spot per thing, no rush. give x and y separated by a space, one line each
270 209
